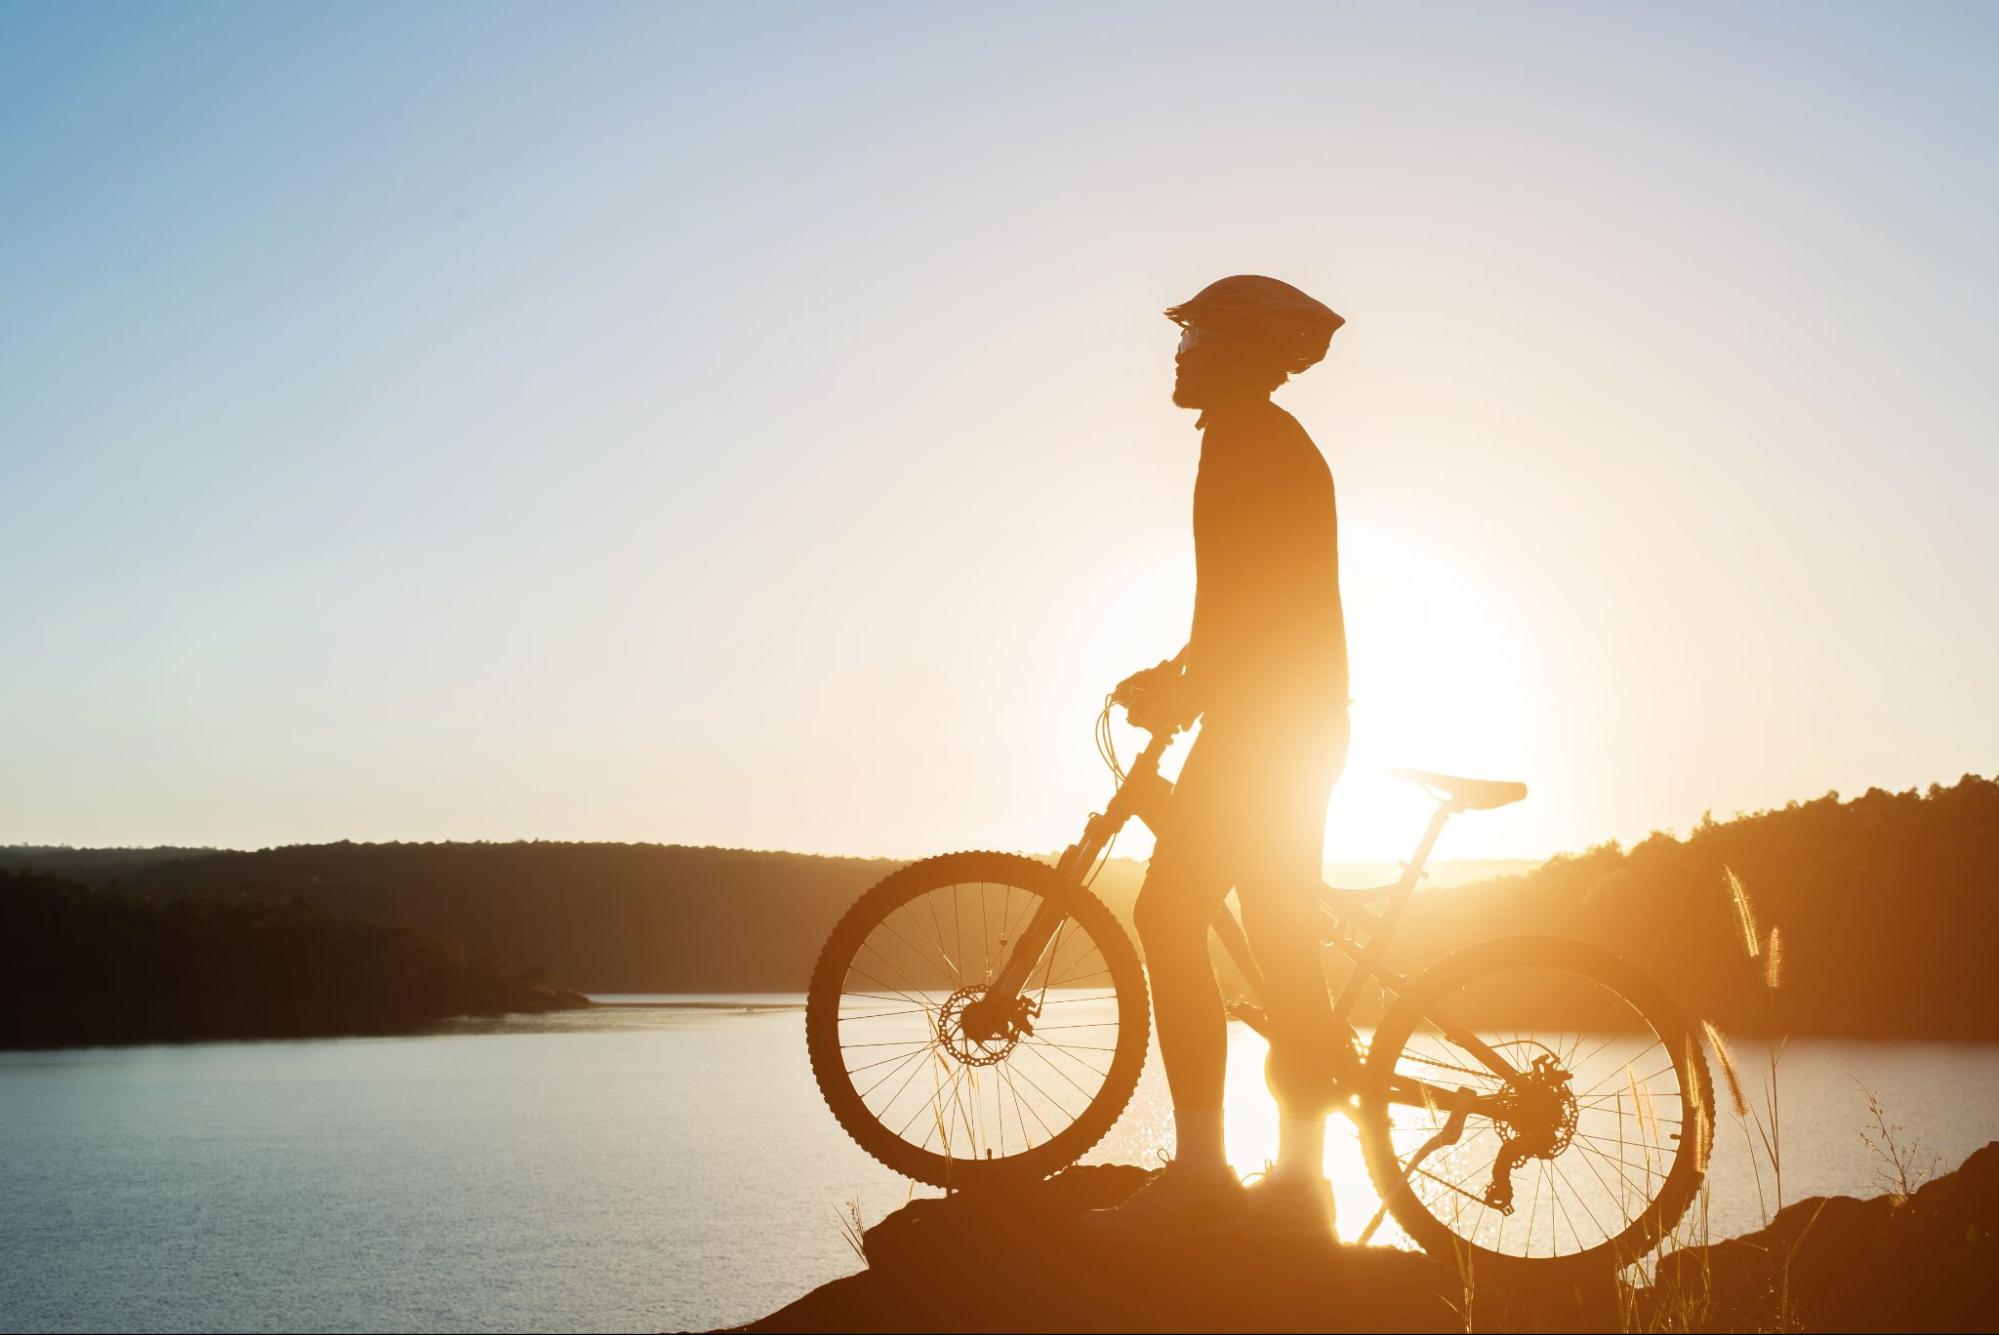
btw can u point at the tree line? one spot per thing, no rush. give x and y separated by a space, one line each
1885 905
91 966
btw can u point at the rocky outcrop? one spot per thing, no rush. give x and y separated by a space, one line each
1927 1261
1022 1260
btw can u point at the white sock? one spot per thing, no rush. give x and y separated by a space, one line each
1197 1139
1301 1149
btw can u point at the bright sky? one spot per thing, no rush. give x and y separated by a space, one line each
741 425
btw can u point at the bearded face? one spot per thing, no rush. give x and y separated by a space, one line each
1209 366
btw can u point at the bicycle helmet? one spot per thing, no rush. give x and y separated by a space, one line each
1265 310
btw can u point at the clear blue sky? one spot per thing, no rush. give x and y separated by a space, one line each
747 424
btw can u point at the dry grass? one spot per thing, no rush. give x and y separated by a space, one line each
1745 913
1685 1303
1725 1059
851 1228
1897 1156
1762 1122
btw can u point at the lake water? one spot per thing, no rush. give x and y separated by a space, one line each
636 1168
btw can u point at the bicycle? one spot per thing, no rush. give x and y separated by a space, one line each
975 990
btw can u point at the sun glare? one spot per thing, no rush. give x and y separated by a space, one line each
1252 1141
1444 676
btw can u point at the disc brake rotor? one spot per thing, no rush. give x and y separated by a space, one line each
987 1050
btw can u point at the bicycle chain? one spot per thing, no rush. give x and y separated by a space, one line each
1442 1065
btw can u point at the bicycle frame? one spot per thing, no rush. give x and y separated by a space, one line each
1147 795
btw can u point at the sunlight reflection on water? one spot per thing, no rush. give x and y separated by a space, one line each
623 1169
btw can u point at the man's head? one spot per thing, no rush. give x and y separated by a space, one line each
1246 335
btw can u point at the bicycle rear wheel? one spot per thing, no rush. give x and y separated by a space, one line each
885 1022
1587 1158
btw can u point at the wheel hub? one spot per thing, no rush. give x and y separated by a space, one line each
980 1038
1536 1119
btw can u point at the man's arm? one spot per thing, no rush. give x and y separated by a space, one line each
1160 693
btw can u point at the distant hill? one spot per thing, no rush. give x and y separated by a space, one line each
601 917
1886 903
91 866
598 917
91 966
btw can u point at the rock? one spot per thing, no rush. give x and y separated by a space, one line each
1021 1259
1927 1262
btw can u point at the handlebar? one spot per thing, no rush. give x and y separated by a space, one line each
1141 710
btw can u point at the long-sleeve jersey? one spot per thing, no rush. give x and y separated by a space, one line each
1269 638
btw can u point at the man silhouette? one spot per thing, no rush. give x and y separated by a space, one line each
1265 668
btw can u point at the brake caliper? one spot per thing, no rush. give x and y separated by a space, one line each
1025 1012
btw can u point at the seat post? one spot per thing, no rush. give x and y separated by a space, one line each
1369 960
1412 871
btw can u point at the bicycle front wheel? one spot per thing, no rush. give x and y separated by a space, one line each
949 1099
1586 1155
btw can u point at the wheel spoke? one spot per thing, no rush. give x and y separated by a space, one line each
1035 1049
1564 1099
893 968
899 1088
892 1025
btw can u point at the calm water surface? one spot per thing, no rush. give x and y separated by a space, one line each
638 1168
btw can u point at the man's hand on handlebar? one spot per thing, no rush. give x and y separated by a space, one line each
1156 699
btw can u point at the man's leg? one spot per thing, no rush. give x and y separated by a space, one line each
1172 917
1179 897
1294 1199
1198 1190
1305 1038
1280 916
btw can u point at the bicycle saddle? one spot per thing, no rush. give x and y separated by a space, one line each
1465 794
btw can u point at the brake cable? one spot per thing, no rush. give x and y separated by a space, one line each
1106 752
